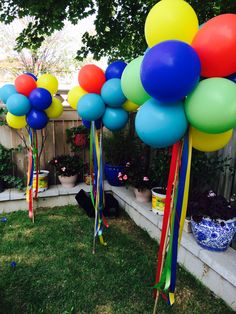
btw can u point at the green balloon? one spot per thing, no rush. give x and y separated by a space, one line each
131 83
211 107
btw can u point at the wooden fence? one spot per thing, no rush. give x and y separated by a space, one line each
56 145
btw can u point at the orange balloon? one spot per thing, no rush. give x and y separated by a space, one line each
215 44
91 78
24 84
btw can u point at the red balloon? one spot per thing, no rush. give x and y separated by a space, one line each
215 44
24 84
91 78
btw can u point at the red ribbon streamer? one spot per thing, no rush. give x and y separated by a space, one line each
167 211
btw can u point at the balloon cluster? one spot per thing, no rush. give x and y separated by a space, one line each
166 83
30 101
100 97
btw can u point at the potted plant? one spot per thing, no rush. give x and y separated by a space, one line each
213 220
68 168
118 147
137 175
159 176
78 139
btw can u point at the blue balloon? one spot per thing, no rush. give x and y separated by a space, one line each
36 119
87 124
91 107
170 70
6 91
32 75
112 93
115 69
40 98
115 119
232 77
161 124
18 105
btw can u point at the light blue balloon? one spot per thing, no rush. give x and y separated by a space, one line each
91 107
161 124
18 104
112 93
6 91
115 119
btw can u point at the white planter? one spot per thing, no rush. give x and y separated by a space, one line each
68 182
42 181
142 196
158 200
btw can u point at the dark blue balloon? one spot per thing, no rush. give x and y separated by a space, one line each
32 75
36 119
170 70
232 77
115 69
40 98
98 123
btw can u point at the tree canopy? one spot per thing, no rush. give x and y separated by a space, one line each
119 24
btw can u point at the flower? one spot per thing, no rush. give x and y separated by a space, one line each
127 164
125 177
145 179
63 169
119 174
55 161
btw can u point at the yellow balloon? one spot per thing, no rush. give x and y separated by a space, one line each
130 106
16 122
74 95
49 82
55 109
171 19
207 142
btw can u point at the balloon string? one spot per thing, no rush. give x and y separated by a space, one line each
29 194
36 161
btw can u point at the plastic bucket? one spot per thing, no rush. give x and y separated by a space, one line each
158 200
42 181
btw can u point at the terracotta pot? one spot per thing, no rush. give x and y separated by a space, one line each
68 182
142 196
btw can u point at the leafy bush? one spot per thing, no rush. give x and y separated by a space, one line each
120 147
209 204
7 166
205 171
67 165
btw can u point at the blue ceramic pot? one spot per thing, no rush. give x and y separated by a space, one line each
214 235
111 173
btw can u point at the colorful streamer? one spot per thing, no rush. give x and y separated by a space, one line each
33 163
173 220
96 183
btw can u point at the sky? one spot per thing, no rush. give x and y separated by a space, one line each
73 34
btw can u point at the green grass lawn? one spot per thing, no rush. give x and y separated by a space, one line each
56 271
